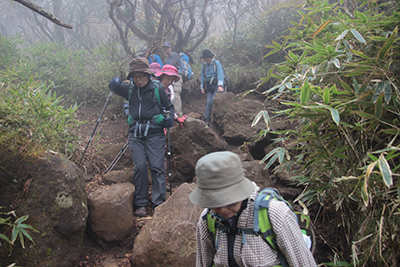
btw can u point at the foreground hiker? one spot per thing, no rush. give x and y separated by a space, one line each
146 131
212 81
229 198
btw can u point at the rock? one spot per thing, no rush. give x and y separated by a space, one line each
234 117
114 177
290 193
190 143
169 239
111 152
255 172
55 200
111 214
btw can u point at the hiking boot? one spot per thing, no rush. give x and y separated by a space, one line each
141 212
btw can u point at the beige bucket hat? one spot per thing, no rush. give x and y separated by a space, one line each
220 181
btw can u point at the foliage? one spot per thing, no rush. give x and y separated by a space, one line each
32 117
80 76
16 227
340 80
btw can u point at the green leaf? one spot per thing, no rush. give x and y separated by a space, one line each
315 129
387 92
360 54
271 161
5 238
364 192
355 85
385 171
342 35
327 92
335 116
267 120
21 219
305 93
274 151
382 53
345 86
359 71
378 107
358 36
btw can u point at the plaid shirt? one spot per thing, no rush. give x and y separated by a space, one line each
256 251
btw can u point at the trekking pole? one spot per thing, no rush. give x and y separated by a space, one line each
169 157
117 157
98 121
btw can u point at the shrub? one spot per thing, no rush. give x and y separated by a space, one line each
341 81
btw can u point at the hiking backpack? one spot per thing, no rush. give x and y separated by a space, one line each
226 78
186 70
261 226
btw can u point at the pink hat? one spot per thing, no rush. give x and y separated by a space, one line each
170 71
155 67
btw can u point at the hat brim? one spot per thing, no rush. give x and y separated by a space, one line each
222 197
176 77
147 71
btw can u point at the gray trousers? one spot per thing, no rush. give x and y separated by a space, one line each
150 149
210 99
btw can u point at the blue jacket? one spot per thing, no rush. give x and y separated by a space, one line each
157 59
212 73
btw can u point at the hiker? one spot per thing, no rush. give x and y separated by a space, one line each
229 197
212 81
174 60
147 100
143 51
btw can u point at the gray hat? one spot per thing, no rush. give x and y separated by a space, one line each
220 181
141 50
167 44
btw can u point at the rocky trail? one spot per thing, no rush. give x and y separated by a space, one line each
230 130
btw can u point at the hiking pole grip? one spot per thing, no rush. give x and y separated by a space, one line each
98 121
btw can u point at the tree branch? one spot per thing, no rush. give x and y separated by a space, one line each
43 13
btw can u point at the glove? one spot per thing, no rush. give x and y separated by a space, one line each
114 84
168 122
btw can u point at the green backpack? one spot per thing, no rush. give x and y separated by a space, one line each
262 225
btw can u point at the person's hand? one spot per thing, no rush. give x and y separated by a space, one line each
114 84
220 89
168 122
202 91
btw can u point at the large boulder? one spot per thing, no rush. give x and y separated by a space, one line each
111 215
234 116
53 194
189 144
169 239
